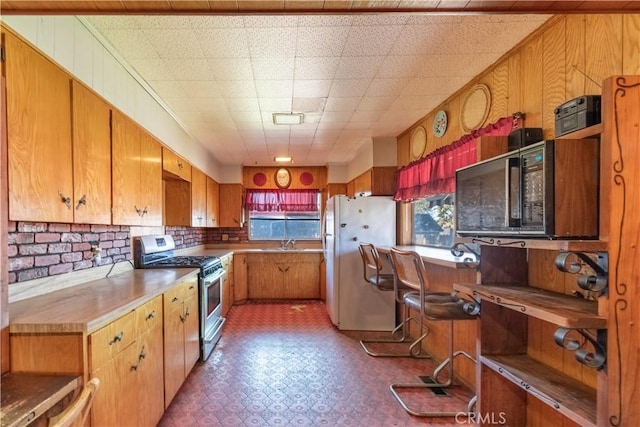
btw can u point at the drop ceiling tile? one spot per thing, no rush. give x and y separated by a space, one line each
210 104
222 43
201 89
420 40
342 104
274 105
131 43
231 68
242 117
375 103
386 87
272 68
180 104
114 22
321 68
237 89
252 136
325 20
168 89
216 21
358 67
311 89
335 117
274 88
163 22
151 69
272 42
189 69
404 66
243 104
371 40
270 21
347 88
334 126
366 20
175 44
190 117
333 40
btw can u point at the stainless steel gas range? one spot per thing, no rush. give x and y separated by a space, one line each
158 252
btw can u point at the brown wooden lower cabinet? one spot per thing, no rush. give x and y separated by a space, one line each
126 355
227 284
181 339
239 278
283 276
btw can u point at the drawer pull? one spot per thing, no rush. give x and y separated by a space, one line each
117 338
151 315
141 356
174 299
191 287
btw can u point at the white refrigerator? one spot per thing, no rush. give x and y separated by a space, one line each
352 303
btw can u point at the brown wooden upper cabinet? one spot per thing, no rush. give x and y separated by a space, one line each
59 142
231 214
377 181
198 198
174 166
213 203
136 174
39 136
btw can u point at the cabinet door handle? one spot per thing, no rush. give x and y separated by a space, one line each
175 299
180 165
286 269
117 338
82 201
151 315
66 200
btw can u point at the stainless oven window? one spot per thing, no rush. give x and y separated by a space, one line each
213 296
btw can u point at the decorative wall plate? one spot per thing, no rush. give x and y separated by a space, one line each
418 142
475 108
283 178
440 123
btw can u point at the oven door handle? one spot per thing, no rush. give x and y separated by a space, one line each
211 335
208 281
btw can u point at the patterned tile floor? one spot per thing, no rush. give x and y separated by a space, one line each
285 364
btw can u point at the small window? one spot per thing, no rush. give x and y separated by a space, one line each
433 221
278 215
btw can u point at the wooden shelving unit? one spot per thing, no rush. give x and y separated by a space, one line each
529 243
566 395
562 310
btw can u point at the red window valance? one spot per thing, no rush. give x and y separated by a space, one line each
282 200
436 172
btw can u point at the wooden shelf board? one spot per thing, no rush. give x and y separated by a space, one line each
568 396
562 310
590 132
530 243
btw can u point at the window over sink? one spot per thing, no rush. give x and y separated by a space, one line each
283 214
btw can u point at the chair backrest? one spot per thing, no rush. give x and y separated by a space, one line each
75 414
370 260
410 269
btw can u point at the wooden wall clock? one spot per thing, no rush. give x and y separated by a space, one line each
283 178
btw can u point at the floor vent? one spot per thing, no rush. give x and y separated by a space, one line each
437 391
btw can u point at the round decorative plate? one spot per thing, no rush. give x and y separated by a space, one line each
283 178
306 178
475 108
418 142
440 123
259 179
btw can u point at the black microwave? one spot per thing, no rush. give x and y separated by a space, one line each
547 189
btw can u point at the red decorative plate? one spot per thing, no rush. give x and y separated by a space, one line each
306 178
259 179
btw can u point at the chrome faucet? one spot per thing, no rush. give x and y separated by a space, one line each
283 244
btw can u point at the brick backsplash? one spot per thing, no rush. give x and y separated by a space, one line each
38 249
186 237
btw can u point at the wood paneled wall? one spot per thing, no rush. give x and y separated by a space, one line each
319 174
569 56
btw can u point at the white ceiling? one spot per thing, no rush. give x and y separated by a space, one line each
355 77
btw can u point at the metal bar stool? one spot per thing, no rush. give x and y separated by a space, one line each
411 272
383 278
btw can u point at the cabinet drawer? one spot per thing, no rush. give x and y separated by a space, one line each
111 339
148 315
174 297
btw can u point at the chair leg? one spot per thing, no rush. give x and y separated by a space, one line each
448 362
402 327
